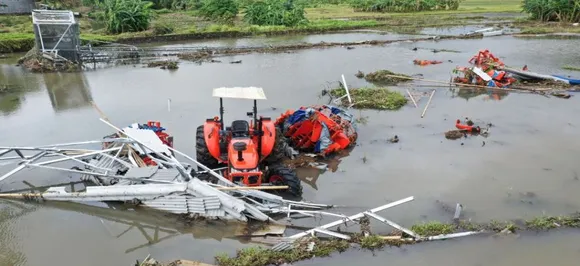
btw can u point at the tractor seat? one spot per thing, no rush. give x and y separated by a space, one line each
240 129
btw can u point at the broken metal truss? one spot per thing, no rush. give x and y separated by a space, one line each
288 242
121 175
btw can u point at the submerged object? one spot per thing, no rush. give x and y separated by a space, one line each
426 62
468 128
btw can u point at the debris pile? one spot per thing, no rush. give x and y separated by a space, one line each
485 71
137 165
39 62
164 64
468 127
321 129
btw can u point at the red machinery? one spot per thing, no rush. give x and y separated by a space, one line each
322 129
245 148
489 64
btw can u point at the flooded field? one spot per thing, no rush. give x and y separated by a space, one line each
527 166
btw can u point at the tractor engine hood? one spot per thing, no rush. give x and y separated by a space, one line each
243 154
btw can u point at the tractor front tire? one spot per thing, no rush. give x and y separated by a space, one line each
202 152
279 151
283 176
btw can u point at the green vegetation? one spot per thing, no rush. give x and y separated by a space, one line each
219 10
385 77
16 42
373 98
105 20
553 10
257 256
127 15
403 5
433 228
262 256
275 12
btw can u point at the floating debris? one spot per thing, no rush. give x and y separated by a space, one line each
385 77
485 71
426 62
39 62
360 74
455 134
164 64
561 95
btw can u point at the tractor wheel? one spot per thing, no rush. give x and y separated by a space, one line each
279 151
283 176
202 153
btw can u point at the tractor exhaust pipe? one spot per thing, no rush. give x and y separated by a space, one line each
240 147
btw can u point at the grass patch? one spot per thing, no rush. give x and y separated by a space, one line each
433 228
385 77
572 68
373 242
258 256
466 7
16 42
373 98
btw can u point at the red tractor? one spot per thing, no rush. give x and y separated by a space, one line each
249 152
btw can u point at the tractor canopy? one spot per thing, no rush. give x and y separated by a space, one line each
249 93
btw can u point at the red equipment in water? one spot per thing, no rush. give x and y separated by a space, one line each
320 129
485 59
471 129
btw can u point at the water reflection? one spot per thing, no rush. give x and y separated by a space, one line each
156 227
67 90
14 83
309 174
10 252
494 95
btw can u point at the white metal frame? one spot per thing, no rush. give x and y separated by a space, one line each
66 18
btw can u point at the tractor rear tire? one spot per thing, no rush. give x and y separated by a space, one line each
280 175
279 151
202 152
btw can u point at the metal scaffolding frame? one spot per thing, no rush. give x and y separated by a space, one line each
54 19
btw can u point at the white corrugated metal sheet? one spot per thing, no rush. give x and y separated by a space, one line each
186 204
165 175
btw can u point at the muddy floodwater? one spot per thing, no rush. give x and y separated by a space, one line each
526 167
